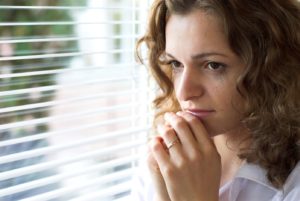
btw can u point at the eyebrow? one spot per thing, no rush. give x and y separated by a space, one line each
201 55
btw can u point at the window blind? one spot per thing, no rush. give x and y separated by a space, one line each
74 104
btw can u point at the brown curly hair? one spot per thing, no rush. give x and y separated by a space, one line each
266 36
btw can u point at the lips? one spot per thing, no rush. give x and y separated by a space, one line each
199 113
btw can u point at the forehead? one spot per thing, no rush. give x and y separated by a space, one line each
195 31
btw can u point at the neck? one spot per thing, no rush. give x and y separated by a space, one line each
228 146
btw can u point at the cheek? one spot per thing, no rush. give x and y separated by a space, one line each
230 112
228 98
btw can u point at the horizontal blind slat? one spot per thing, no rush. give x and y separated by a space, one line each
56 55
112 67
114 22
63 86
63 39
41 136
70 7
54 64
61 177
68 101
110 191
52 164
62 117
126 197
36 67
66 190
55 148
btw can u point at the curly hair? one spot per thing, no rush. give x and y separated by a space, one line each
266 36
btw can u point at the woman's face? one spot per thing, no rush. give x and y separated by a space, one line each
205 71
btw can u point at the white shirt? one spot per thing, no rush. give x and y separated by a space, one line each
249 184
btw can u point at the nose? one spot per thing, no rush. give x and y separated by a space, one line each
188 85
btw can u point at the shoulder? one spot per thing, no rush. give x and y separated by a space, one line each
251 183
291 188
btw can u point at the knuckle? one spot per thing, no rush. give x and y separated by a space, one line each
155 145
195 156
169 171
192 120
169 132
182 164
179 122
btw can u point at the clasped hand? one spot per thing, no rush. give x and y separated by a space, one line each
183 161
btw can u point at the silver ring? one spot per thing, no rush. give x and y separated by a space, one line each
171 144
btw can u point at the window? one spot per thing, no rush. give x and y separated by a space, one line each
74 104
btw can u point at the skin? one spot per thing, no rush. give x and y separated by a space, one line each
205 71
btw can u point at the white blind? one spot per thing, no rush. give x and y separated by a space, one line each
74 104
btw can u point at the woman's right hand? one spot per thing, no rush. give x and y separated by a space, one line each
157 178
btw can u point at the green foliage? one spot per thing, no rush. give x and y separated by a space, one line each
34 48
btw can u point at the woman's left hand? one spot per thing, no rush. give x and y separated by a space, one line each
191 166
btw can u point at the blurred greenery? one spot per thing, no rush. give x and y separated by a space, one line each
34 48
18 66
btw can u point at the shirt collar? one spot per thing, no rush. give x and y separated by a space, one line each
256 174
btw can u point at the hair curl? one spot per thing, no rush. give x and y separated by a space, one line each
266 35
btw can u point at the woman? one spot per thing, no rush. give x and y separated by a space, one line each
229 74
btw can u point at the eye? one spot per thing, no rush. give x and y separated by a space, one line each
215 66
175 64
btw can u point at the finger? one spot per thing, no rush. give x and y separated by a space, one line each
157 178
182 129
170 138
152 164
197 128
159 153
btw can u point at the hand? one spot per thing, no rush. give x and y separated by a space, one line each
191 168
157 178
